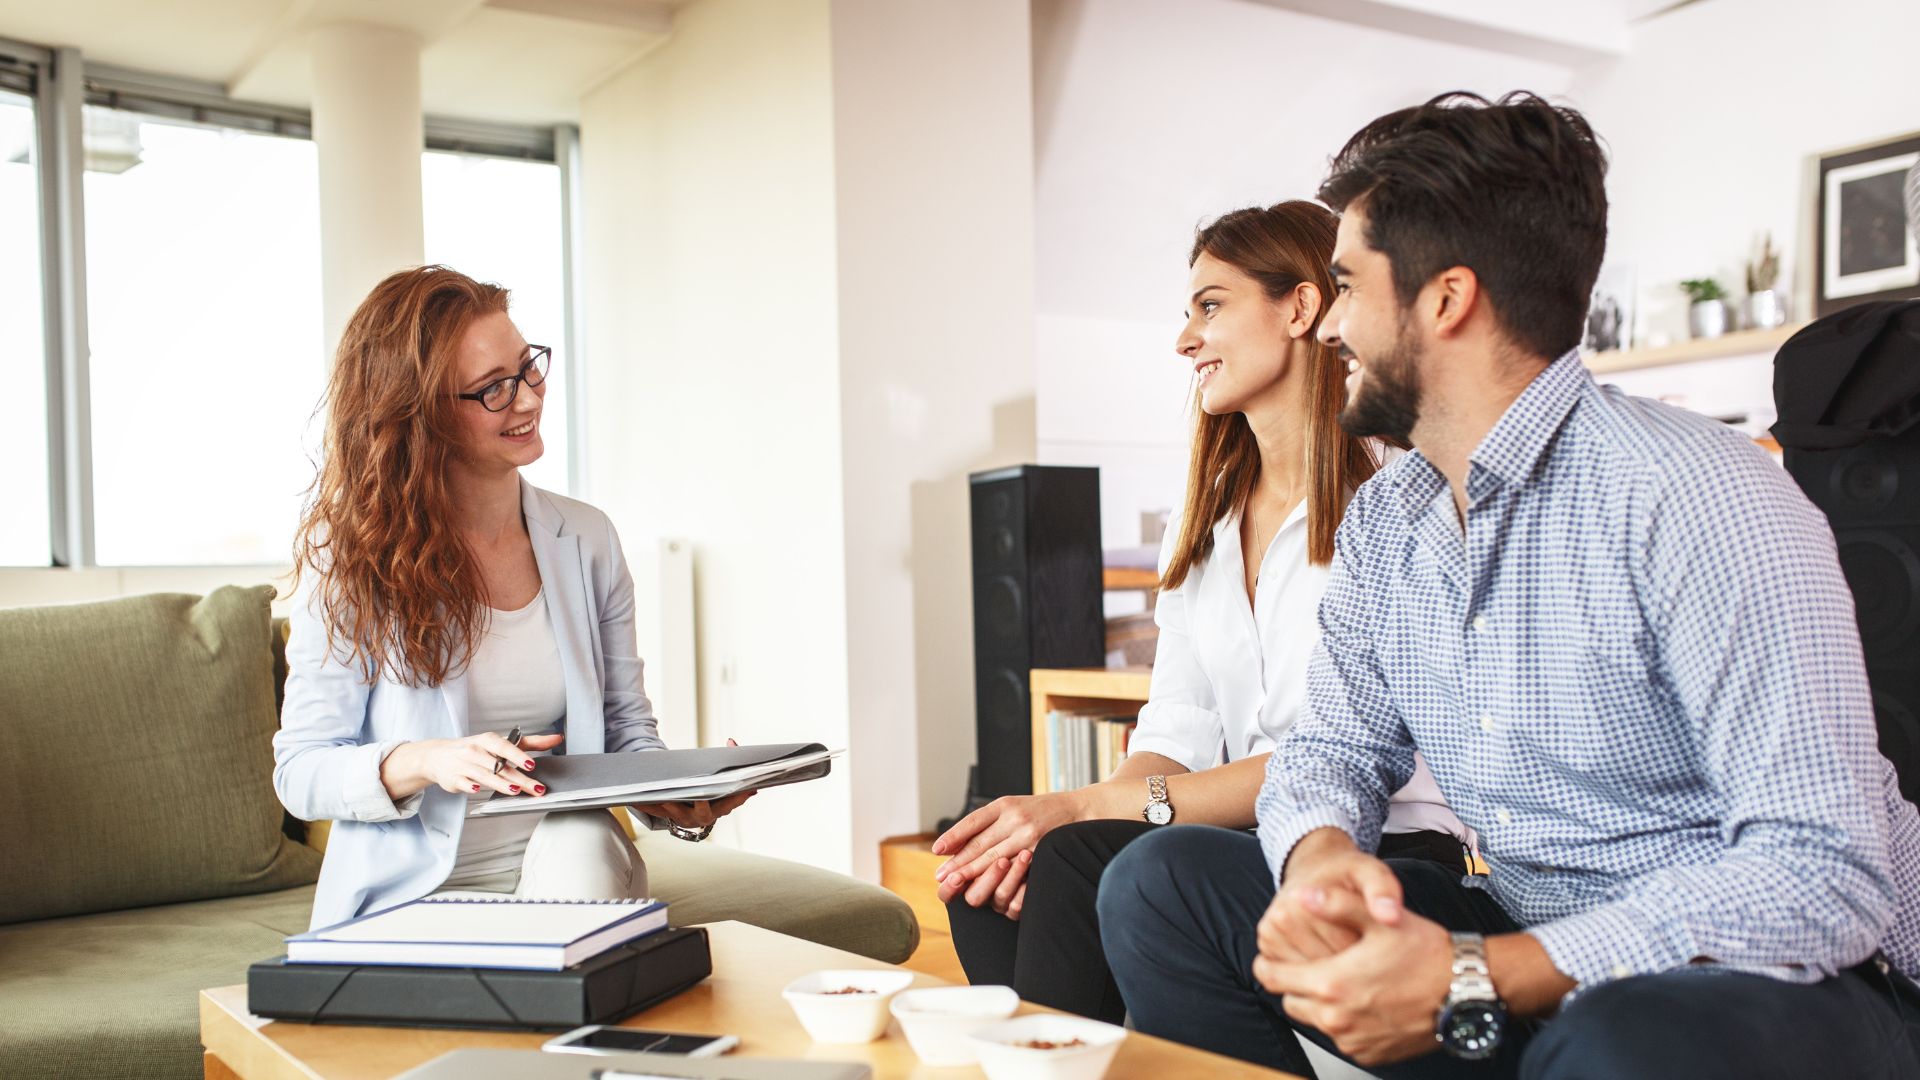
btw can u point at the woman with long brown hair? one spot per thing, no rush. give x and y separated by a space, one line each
442 604
1242 570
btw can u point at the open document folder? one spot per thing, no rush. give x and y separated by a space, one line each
579 781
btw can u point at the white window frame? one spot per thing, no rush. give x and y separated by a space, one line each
63 83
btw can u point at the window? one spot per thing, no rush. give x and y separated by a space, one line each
25 535
500 220
204 317
201 356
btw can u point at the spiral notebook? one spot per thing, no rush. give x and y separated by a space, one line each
503 932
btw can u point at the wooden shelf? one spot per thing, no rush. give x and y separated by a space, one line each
1116 578
1078 688
1738 343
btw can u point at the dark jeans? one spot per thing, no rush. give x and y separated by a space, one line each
1051 956
1178 912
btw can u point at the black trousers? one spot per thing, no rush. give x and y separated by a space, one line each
1052 955
1179 910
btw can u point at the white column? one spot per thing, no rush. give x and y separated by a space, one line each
368 129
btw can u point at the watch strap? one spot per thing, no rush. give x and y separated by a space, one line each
1472 978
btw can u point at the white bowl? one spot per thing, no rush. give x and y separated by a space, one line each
1004 1059
938 1019
845 1018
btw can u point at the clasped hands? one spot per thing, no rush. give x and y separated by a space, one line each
1351 961
990 849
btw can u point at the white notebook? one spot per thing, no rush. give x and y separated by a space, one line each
503 932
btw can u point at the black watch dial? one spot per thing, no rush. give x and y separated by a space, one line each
1472 1029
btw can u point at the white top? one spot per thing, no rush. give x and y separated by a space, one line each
514 680
1229 680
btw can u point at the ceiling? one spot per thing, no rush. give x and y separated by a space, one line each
513 61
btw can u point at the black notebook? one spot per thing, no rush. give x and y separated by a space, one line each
604 990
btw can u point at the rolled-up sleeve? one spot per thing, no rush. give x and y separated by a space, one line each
1181 719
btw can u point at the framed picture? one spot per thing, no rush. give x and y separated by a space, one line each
1867 248
1610 313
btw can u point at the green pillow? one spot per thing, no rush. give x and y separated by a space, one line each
141 732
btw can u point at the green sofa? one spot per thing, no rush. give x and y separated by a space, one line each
146 856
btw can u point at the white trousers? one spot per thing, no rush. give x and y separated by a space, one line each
572 855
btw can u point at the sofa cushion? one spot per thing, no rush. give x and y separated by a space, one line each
117 994
145 727
708 883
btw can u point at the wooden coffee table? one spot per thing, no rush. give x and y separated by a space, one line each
750 967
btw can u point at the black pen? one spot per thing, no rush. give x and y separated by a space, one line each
512 737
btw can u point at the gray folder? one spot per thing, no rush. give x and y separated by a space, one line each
708 773
539 1065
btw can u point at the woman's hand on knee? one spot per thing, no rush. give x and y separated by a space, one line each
1000 830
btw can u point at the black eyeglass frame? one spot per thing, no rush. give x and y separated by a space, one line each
536 354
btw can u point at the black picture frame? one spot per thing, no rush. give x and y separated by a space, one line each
1825 282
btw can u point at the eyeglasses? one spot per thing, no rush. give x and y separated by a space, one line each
498 394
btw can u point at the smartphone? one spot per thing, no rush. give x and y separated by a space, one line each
601 1039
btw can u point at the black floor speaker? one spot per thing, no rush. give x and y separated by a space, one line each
1036 603
1871 496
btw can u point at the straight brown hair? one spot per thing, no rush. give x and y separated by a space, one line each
1280 246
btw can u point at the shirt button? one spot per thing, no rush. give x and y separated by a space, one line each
1621 971
1503 816
1481 622
1486 723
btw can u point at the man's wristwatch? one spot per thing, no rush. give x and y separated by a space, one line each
1474 1019
1159 811
692 836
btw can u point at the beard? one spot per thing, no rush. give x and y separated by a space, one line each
1387 404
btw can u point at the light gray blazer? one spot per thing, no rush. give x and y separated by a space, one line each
335 729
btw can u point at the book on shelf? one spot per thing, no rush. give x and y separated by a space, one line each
1085 746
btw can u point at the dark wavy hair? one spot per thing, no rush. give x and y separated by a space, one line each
1514 190
396 584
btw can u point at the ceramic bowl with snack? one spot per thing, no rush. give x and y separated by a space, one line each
847 1006
938 1019
1047 1046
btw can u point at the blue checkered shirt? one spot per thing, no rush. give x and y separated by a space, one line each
1636 674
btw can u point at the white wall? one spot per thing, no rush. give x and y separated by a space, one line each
934 171
1152 117
1713 119
710 315
809 307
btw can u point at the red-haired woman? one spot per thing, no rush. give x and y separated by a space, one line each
1243 567
443 603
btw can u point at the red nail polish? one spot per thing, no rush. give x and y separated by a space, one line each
529 765
540 789
476 787
515 788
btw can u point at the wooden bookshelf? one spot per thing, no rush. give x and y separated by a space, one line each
1078 688
1738 343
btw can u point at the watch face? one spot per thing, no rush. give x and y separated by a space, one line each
1472 1029
1159 813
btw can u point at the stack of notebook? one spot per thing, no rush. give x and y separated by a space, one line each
483 962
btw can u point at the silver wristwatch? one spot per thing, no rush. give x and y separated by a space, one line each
1158 811
1474 1019
692 836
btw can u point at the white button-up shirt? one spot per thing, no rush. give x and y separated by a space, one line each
1229 679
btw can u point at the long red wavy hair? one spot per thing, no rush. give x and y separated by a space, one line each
395 584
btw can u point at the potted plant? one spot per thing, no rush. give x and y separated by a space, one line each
1707 315
1766 306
